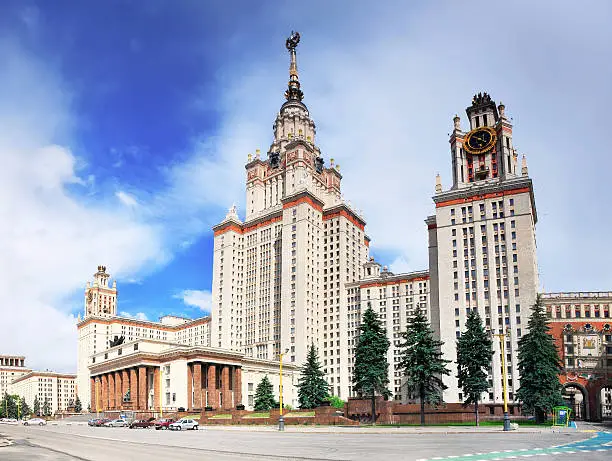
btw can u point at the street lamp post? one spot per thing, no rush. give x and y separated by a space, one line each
281 419
502 343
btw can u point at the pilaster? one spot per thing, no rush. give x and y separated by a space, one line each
197 385
142 388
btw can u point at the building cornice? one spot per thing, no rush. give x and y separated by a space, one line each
142 323
342 209
481 191
391 280
43 374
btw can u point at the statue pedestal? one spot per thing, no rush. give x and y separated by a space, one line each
127 405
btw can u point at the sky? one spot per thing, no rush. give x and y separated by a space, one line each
125 127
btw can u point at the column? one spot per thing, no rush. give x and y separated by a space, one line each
125 383
156 387
104 402
118 388
237 386
225 387
213 395
111 391
189 387
142 388
197 385
92 394
134 388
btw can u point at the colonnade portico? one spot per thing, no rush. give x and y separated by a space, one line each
108 390
213 385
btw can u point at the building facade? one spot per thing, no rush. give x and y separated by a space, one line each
58 389
100 327
11 367
279 276
150 375
395 298
482 245
581 324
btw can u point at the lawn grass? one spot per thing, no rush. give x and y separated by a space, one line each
192 417
262 414
471 423
301 413
222 416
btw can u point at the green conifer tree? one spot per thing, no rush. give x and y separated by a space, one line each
474 353
371 372
312 387
539 366
36 406
46 408
422 362
264 395
25 409
77 405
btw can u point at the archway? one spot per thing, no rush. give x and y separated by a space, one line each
605 403
577 398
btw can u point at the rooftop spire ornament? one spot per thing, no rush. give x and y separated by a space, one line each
293 92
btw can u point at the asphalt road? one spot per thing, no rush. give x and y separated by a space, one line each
106 444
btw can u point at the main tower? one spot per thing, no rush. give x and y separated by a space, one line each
279 275
482 246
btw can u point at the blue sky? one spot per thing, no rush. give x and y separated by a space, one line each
126 126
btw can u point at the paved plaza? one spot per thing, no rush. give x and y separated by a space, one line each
80 442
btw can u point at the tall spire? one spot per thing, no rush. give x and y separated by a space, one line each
293 92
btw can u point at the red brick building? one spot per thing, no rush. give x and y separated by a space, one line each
581 324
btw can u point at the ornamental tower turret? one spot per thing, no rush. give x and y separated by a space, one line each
100 298
485 152
294 161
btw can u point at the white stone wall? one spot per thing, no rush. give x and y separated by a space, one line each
58 389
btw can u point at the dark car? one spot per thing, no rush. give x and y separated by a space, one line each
144 423
163 423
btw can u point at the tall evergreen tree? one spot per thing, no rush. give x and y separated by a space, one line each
474 353
422 362
371 372
264 395
25 409
77 405
36 406
312 387
46 408
539 366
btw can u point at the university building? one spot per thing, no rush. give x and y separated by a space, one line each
11 367
58 389
280 276
130 364
482 248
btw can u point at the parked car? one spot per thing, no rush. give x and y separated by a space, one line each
100 422
141 423
163 423
115 423
35 422
184 424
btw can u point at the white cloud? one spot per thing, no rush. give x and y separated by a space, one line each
137 316
127 199
196 298
50 240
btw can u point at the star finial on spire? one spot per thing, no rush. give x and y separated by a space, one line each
293 92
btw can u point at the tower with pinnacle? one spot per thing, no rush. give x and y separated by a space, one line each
279 275
482 246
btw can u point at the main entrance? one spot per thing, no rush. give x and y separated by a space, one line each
576 397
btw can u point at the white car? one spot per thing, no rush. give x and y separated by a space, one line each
115 423
185 424
35 422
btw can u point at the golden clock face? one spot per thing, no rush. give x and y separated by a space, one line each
480 140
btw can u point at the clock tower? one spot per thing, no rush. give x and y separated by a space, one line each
482 248
100 298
